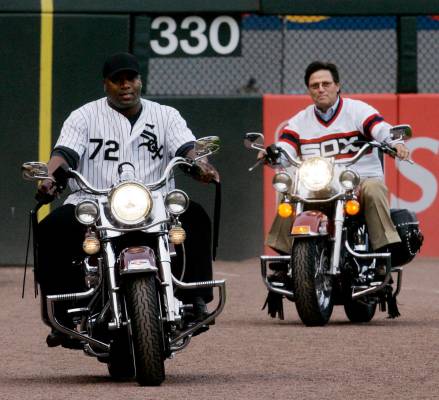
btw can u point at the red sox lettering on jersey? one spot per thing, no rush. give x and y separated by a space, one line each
103 138
307 135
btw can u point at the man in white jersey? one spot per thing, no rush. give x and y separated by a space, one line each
95 139
329 128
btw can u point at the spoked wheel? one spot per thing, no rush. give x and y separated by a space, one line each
312 285
358 311
144 313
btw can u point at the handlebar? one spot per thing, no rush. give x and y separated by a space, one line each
385 147
153 186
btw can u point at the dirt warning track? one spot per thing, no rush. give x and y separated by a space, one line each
246 355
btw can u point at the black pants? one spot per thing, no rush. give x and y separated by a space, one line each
60 238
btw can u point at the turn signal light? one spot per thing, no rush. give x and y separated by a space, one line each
177 235
352 207
301 230
91 244
285 210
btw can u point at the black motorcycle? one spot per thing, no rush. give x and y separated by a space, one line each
129 315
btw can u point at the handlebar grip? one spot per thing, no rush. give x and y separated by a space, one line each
273 154
44 198
391 152
191 170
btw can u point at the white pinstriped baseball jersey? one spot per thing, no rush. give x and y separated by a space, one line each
309 135
103 138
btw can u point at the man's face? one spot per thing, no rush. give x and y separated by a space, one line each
123 89
322 89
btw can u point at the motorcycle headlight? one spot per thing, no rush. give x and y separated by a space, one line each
87 212
130 203
315 173
349 179
176 202
282 182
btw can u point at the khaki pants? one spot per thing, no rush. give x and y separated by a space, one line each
375 207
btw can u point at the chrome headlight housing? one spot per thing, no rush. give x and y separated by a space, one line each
282 182
87 212
176 202
349 179
316 173
130 203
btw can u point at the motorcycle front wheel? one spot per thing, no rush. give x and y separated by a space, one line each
312 285
144 314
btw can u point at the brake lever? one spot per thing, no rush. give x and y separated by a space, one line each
260 161
393 153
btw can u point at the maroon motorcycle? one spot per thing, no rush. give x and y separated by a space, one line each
331 260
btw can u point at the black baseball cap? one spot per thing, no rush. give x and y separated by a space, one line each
120 62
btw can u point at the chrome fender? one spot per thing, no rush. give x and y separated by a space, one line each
137 259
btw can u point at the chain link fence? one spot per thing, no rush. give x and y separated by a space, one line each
275 51
428 54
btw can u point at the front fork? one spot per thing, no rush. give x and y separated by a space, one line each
113 288
338 231
166 278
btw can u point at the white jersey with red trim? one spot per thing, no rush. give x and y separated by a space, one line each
308 135
103 138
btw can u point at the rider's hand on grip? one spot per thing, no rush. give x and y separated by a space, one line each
46 192
272 155
49 189
401 151
204 172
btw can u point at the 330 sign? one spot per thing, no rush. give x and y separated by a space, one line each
195 36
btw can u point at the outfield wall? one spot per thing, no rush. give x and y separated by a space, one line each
51 65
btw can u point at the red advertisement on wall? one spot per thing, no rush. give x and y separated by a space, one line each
410 186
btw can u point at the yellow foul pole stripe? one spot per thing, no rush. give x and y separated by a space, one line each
45 117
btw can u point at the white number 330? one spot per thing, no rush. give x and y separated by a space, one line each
200 35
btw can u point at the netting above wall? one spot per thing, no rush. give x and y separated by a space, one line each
275 51
428 54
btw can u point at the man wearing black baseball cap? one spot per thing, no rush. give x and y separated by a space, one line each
122 84
95 139
120 62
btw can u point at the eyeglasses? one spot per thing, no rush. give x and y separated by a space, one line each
325 85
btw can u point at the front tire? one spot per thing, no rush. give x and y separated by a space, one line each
312 285
144 313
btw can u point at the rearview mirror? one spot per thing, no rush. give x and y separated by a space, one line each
401 132
34 170
254 140
206 146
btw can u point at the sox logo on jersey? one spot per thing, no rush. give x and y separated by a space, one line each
151 144
332 147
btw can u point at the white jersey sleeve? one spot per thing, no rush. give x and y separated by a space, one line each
178 132
74 133
371 122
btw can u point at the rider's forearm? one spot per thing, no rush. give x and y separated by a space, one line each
381 132
289 149
55 162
